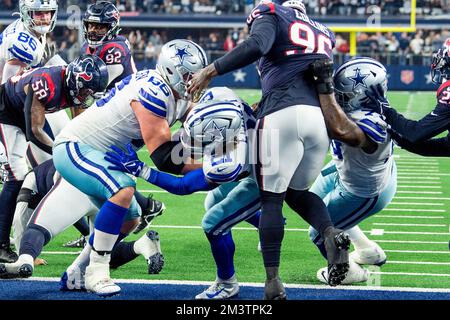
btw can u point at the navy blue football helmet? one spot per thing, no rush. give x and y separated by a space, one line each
104 13
86 79
440 66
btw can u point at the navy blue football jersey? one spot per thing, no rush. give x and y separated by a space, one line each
47 84
299 41
116 51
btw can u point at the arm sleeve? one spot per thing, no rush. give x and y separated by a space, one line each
429 126
192 182
28 125
9 71
262 37
430 148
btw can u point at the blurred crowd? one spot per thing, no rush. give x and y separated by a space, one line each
314 7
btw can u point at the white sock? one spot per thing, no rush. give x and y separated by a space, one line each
82 260
358 238
143 247
104 241
25 259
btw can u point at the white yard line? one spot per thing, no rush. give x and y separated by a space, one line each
408 174
412 241
412 274
416 203
414 210
418 182
420 263
419 187
380 216
418 192
423 198
419 251
409 225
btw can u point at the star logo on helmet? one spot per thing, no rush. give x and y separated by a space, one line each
359 79
215 130
181 53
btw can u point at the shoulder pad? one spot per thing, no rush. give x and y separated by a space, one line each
259 11
43 87
154 97
443 94
25 48
372 124
222 169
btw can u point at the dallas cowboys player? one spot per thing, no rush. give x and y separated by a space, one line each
140 109
415 136
286 41
23 46
220 119
361 179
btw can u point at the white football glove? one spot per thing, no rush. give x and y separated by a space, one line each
222 169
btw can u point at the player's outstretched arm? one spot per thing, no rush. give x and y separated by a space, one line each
129 162
34 122
429 148
339 126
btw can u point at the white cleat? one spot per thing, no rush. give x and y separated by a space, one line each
373 255
73 279
355 274
98 281
22 268
155 258
220 290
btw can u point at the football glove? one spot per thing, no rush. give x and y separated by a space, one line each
322 71
125 162
222 169
372 124
378 102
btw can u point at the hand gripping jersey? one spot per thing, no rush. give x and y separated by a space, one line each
235 164
16 42
363 174
116 52
48 86
298 42
111 121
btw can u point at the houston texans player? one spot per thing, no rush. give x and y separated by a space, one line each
139 109
22 47
415 136
361 179
220 119
101 33
27 98
286 41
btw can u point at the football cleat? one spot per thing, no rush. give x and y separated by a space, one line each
220 290
77 243
274 290
337 244
373 255
155 261
155 208
6 254
22 268
355 274
73 280
98 281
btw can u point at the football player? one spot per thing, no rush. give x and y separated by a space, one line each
221 118
39 218
415 136
27 98
23 46
286 41
361 179
140 109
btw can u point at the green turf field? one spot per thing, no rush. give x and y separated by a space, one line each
413 230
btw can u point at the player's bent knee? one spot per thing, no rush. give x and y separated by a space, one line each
35 228
123 197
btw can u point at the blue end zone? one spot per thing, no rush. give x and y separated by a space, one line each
49 290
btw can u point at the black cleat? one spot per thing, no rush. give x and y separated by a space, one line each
337 244
25 271
6 254
274 290
77 243
155 208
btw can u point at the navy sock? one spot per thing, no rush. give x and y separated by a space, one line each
254 219
271 227
8 198
82 226
33 240
122 253
222 248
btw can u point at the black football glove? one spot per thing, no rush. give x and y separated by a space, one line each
322 71
377 101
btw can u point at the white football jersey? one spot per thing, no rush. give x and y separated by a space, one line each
111 121
236 162
365 175
16 42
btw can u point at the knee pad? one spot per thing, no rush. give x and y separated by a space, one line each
41 229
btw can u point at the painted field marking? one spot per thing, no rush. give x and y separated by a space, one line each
419 251
419 192
407 217
409 174
414 210
416 203
422 198
412 274
412 241
62 252
418 187
377 232
401 170
409 224
419 263
418 182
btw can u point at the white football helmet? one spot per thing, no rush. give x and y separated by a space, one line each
211 126
27 9
3 161
354 78
178 61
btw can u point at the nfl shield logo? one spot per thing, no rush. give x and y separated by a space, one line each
407 76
